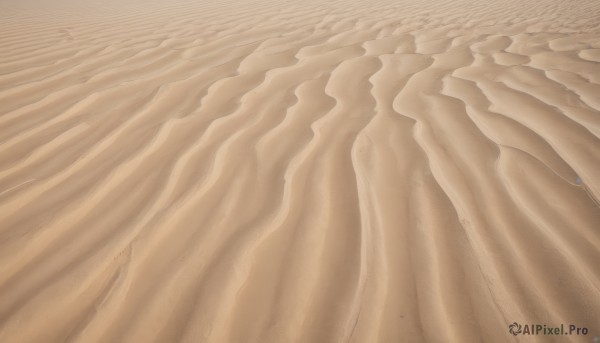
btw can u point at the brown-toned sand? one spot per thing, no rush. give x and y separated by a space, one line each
276 171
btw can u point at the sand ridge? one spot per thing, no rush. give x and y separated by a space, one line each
266 171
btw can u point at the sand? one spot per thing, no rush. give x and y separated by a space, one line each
275 171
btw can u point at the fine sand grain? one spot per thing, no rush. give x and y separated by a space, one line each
276 171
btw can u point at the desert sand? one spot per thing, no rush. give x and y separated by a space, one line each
276 171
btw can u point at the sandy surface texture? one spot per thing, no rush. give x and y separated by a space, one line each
276 171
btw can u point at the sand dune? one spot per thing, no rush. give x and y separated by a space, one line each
266 171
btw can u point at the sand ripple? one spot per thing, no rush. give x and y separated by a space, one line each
341 171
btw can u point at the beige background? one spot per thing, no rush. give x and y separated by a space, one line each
267 171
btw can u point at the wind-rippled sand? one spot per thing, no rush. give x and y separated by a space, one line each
270 171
